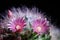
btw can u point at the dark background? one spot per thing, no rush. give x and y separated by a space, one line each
50 7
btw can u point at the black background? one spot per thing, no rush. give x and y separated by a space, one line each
50 7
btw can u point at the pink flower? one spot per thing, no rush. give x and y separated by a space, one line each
9 13
17 25
40 26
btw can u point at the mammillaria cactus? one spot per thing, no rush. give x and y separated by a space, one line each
25 25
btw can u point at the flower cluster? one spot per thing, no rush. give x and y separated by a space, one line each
18 21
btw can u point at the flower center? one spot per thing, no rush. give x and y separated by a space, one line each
18 27
38 28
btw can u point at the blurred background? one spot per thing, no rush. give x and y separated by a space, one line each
50 7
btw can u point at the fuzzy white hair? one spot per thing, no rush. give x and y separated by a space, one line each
55 33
